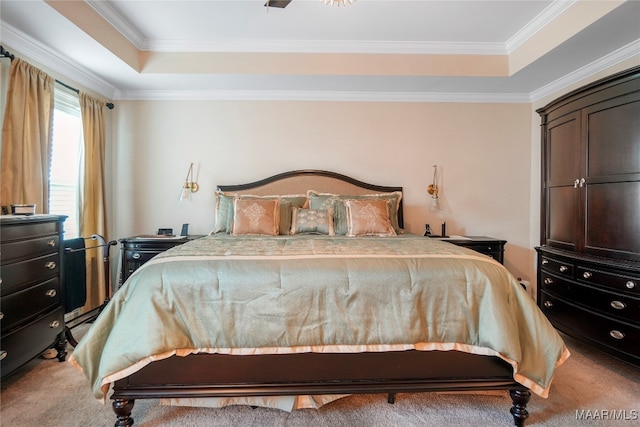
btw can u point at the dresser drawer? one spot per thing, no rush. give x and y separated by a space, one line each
29 228
140 256
618 282
153 245
21 306
485 245
617 335
557 266
22 345
485 250
28 248
20 275
623 307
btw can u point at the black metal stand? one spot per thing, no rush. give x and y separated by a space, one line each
92 314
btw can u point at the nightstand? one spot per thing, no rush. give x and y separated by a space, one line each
136 250
485 245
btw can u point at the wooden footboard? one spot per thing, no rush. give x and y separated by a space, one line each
217 375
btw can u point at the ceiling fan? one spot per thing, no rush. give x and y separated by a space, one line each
283 3
277 3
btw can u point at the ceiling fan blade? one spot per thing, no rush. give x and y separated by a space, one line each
277 3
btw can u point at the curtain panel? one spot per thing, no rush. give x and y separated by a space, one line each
93 218
26 137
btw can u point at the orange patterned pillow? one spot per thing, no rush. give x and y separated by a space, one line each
256 216
368 218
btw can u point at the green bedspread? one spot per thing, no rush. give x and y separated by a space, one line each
242 295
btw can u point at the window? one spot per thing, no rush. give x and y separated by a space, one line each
66 148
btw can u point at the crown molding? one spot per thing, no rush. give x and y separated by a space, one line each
54 60
327 46
104 9
629 51
346 96
549 14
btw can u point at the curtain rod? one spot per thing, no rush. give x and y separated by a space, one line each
109 105
11 56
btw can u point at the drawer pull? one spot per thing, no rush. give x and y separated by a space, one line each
548 304
630 284
616 334
135 256
52 243
54 324
51 293
50 265
563 268
548 281
545 261
3 354
618 305
587 275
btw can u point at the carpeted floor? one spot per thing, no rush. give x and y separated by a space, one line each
590 389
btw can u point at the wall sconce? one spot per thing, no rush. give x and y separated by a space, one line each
433 187
190 185
436 206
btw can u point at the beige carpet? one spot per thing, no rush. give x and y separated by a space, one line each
49 393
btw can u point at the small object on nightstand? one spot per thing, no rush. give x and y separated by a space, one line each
427 231
185 230
165 231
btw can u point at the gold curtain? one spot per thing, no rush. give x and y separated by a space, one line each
93 219
26 137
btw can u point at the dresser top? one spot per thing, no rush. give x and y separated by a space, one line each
16 219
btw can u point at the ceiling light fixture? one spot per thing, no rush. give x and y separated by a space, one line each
338 2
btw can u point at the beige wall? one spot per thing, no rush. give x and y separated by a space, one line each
483 151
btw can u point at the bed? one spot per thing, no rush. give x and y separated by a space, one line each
308 289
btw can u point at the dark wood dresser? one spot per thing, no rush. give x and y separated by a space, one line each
589 261
32 317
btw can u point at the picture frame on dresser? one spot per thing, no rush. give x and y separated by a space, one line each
589 254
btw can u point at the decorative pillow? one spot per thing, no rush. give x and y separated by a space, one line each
224 209
368 218
286 204
256 216
336 202
223 212
312 221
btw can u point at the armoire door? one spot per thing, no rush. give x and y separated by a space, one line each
563 160
612 191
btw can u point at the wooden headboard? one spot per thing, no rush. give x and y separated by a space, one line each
299 181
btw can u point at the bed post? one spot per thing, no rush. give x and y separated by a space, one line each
520 398
123 408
